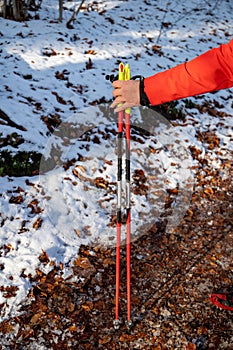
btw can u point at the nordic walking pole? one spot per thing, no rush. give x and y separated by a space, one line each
128 206
119 189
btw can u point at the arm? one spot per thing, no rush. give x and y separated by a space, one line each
210 71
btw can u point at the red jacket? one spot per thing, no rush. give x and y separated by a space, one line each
210 71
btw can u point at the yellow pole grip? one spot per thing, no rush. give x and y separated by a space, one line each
121 72
127 77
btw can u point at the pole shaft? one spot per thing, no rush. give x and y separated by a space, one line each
128 207
123 120
119 198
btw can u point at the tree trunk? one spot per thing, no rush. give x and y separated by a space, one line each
60 10
2 8
13 9
17 5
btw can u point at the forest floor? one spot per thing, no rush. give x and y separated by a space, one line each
58 293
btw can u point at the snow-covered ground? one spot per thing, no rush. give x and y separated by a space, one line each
49 71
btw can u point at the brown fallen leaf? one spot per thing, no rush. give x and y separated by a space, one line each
105 340
83 263
6 327
173 190
33 205
49 52
59 98
128 337
88 306
35 318
101 183
209 191
37 224
44 258
73 328
78 232
90 52
16 199
157 49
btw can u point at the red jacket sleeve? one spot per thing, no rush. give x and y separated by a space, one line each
210 71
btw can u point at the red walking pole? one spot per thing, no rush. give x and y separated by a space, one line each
128 206
119 198
123 118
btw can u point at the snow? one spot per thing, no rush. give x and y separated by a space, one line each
75 212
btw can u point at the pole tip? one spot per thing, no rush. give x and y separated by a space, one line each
116 324
129 324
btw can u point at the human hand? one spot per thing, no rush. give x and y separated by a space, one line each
126 94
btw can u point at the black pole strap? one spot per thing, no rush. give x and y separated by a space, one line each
144 100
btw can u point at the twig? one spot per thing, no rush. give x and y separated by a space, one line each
74 15
161 24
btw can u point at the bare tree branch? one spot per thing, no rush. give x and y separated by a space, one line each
75 13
